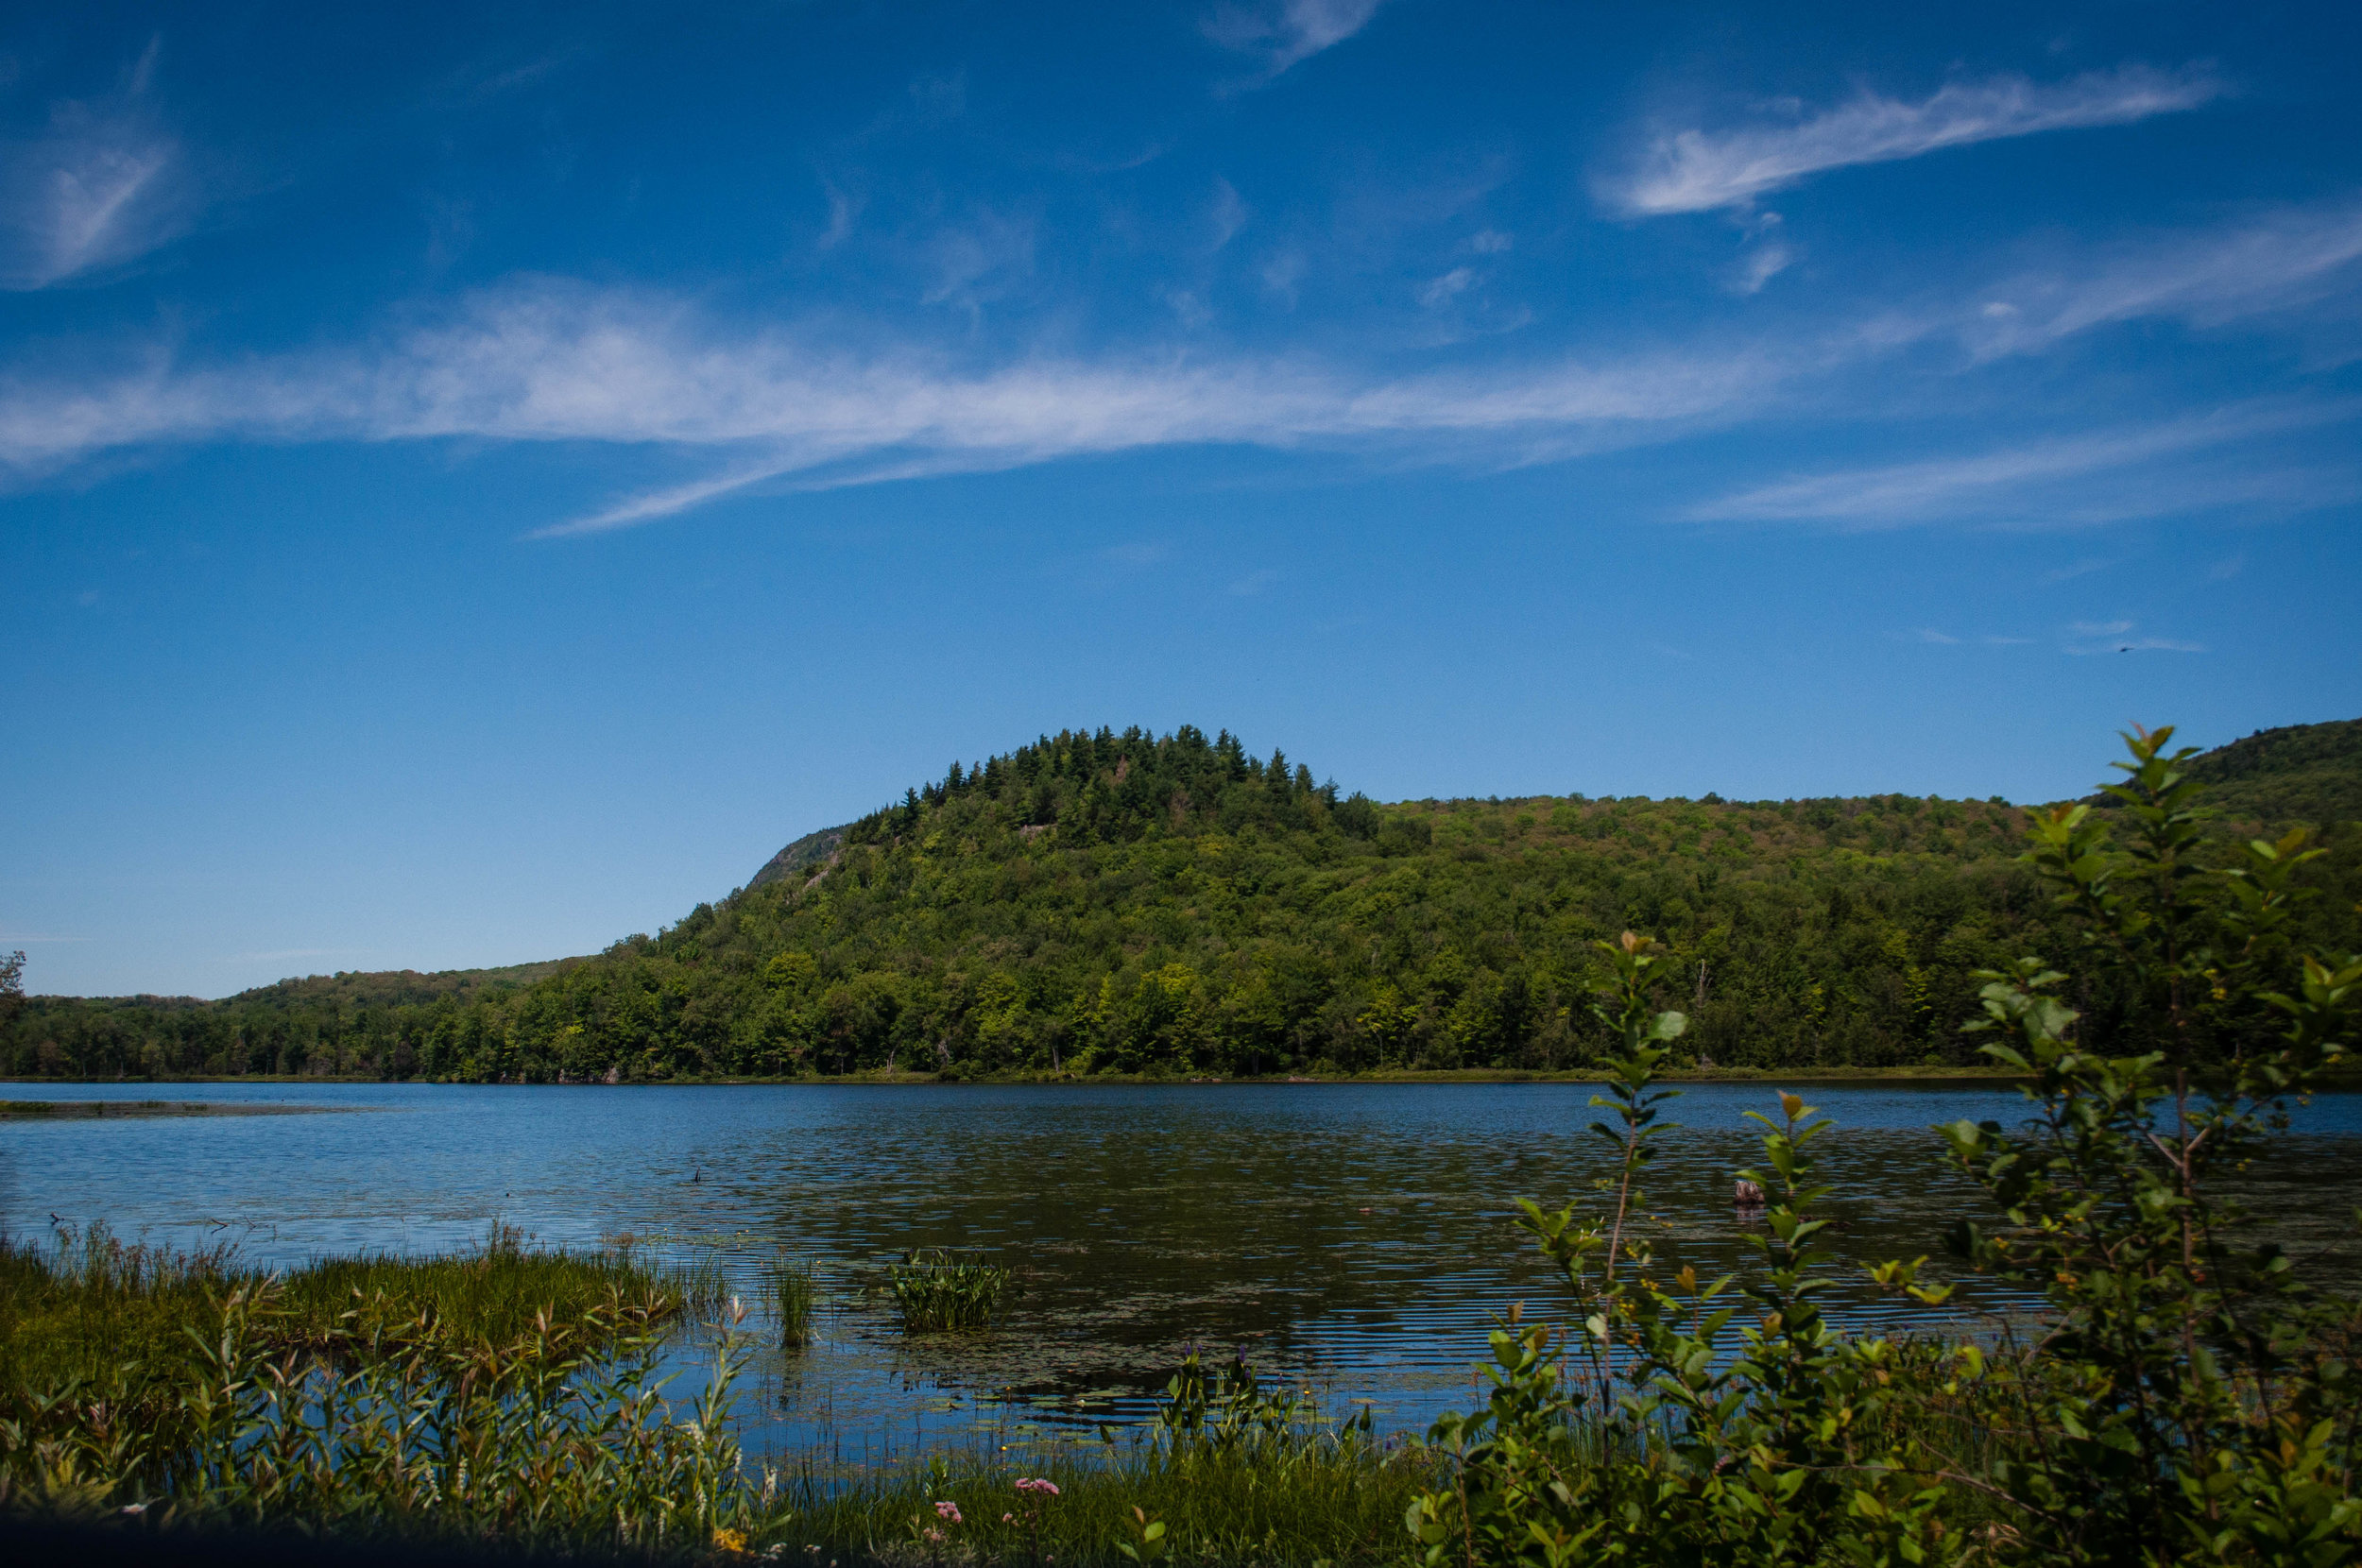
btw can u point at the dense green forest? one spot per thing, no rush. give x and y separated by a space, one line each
1100 902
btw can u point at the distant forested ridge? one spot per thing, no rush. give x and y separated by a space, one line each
1128 903
2303 772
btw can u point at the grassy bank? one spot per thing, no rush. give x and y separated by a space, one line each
83 1306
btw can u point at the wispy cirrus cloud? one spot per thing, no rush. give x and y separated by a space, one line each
1767 255
103 183
2261 262
768 403
1287 32
552 362
1695 170
2081 480
1442 290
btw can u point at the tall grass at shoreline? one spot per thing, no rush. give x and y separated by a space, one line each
87 1300
133 1375
560 1440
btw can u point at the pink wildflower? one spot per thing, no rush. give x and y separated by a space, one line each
948 1509
934 1534
1044 1485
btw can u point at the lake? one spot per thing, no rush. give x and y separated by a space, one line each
1355 1237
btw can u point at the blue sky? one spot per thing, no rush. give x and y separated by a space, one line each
474 484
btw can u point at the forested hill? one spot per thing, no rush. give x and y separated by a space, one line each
1097 902
2303 772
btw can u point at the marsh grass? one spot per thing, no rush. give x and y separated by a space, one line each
493 1292
89 1301
938 1291
789 1294
558 1440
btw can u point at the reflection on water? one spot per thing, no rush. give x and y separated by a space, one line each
1354 1235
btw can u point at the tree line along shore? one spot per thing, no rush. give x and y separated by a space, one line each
1127 905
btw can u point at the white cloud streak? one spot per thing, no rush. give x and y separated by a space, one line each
1698 171
1443 290
1762 262
104 184
2099 477
2265 262
2115 636
549 363
1229 213
1291 31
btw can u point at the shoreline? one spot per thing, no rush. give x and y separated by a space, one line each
1062 1079
1812 1075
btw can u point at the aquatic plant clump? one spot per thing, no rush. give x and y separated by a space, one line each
938 1291
789 1293
494 1291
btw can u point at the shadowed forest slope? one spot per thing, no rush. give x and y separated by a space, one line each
1102 902
2304 772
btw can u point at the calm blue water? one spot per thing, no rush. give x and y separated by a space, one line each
1354 1235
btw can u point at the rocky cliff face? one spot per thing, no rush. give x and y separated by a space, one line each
806 852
